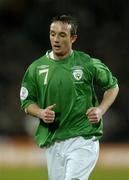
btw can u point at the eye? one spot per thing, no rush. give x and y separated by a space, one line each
62 35
52 33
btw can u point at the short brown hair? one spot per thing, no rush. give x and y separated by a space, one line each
69 20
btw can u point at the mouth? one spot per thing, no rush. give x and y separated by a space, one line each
57 46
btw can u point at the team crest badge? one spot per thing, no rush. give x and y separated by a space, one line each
78 73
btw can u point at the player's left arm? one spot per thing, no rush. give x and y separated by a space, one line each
94 114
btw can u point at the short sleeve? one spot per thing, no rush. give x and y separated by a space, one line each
28 89
103 76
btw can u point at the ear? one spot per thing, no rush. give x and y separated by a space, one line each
73 38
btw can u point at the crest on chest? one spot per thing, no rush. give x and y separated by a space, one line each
77 72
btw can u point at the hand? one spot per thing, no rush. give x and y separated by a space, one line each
94 114
47 115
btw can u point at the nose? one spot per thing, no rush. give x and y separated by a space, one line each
56 38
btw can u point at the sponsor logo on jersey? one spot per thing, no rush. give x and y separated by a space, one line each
77 72
23 93
43 66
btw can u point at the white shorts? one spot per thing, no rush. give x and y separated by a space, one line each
72 159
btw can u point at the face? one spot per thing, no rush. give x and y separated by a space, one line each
61 39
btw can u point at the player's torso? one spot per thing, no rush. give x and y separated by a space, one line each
68 84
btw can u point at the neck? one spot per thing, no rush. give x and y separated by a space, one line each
59 57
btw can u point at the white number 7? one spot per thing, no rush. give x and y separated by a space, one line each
44 71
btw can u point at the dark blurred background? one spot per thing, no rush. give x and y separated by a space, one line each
24 36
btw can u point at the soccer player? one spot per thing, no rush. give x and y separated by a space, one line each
58 88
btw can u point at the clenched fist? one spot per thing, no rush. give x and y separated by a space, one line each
94 114
47 115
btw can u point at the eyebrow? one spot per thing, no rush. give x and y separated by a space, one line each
62 32
52 31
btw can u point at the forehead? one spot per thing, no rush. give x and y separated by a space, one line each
59 26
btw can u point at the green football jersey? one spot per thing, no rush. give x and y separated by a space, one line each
68 83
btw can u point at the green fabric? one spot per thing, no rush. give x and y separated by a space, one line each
68 83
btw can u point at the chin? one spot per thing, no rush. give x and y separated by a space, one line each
58 53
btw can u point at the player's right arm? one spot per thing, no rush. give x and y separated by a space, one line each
29 97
